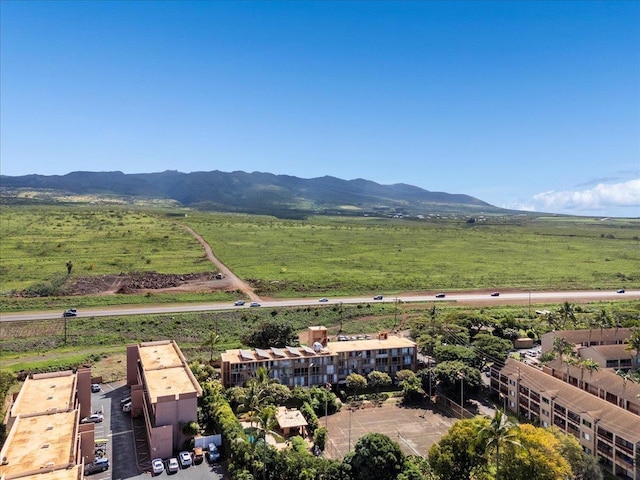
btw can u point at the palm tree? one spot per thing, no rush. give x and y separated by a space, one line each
551 320
267 422
567 313
251 401
626 377
562 347
591 366
499 432
570 361
211 342
616 323
633 343
593 322
602 317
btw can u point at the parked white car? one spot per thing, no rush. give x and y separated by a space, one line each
93 418
157 466
185 459
172 465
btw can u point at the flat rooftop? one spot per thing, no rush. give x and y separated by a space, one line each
42 395
372 344
169 381
332 349
39 442
159 355
73 473
273 353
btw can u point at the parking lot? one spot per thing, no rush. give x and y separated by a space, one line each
127 447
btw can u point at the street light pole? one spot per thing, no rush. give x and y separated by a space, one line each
350 412
326 402
309 375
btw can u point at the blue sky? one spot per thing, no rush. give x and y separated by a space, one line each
530 105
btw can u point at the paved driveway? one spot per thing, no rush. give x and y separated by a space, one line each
127 449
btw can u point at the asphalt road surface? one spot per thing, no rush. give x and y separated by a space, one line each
507 298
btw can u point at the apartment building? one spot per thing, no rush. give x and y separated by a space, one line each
45 436
604 383
611 356
320 361
603 429
164 392
586 337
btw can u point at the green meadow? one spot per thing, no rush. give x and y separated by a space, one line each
333 255
37 242
318 256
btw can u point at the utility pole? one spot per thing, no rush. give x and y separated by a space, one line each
326 401
395 317
461 377
350 413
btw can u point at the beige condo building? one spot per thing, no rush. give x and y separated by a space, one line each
320 361
164 392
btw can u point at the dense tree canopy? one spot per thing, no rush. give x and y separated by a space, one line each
376 457
272 334
456 455
491 348
450 353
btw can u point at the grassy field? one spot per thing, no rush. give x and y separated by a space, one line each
37 242
355 255
30 346
323 255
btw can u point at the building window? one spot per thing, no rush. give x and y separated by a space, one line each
586 436
545 400
586 423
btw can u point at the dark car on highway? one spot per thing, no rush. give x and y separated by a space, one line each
440 295
72 312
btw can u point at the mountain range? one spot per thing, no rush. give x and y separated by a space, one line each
257 192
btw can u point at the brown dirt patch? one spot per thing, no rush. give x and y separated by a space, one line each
148 281
111 368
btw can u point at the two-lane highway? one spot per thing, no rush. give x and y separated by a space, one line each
484 298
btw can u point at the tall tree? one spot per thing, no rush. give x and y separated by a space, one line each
211 342
591 366
355 383
377 379
456 456
267 422
626 377
633 343
500 432
562 347
376 457
540 457
567 314
604 321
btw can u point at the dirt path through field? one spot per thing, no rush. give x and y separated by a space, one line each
231 277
